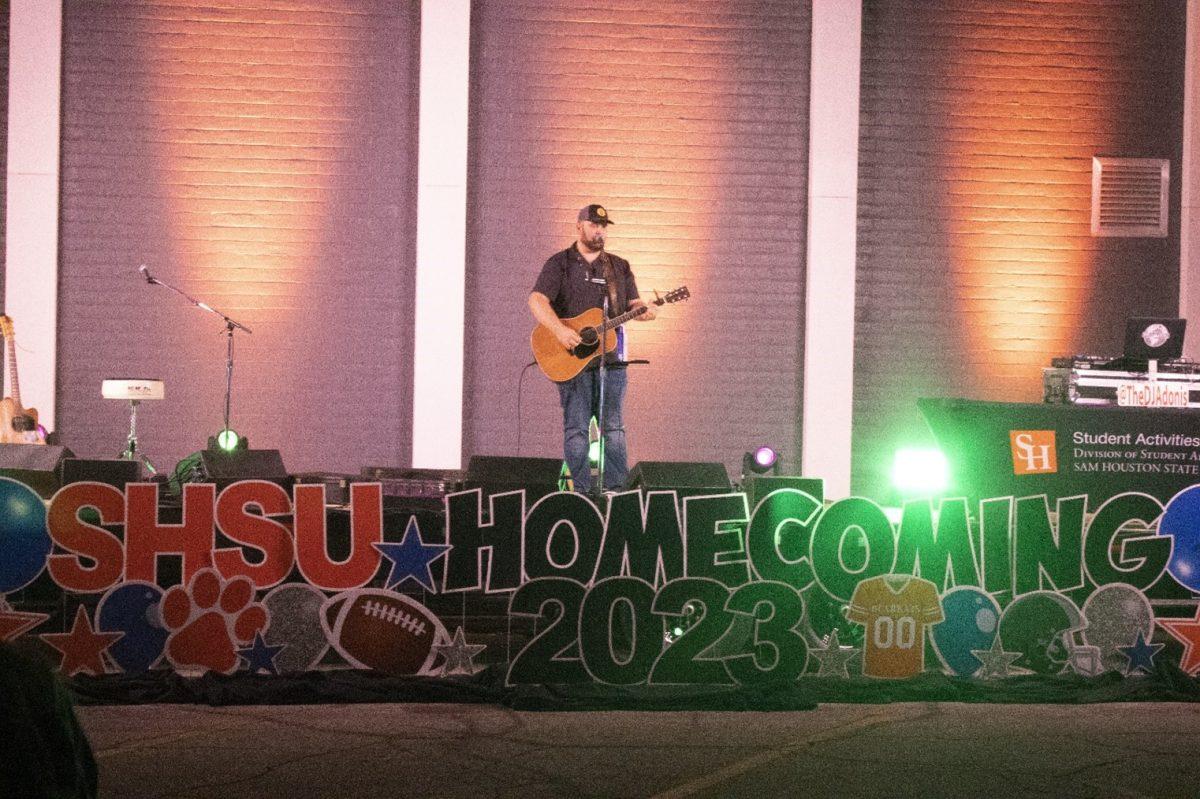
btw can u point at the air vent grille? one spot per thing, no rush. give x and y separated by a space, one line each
1129 196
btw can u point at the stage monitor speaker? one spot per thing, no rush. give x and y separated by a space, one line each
758 487
496 474
224 468
692 478
116 472
36 465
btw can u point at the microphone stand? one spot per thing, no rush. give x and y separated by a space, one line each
230 326
598 488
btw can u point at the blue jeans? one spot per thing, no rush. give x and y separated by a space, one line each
580 398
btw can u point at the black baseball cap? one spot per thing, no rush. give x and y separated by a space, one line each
594 213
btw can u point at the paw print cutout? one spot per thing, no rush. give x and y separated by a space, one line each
206 618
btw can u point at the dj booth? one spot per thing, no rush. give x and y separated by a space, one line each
1107 426
997 449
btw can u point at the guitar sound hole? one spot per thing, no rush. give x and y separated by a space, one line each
589 343
23 424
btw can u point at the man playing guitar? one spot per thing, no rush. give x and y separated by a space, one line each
565 289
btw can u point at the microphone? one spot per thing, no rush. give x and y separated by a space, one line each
146 274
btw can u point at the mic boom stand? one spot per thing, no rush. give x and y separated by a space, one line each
600 426
230 326
598 489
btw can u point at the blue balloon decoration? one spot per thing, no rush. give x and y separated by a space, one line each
24 540
133 609
972 617
1181 520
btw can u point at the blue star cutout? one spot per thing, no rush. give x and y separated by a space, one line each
260 656
411 557
1141 654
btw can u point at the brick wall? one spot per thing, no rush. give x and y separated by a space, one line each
4 12
975 262
689 122
261 157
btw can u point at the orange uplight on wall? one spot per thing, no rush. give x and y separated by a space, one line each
1020 262
250 148
1018 167
687 122
277 139
651 148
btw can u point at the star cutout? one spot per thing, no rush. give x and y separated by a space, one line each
1141 654
83 647
1186 632
459 655
411 557
996 661
260 656
13 623
835 658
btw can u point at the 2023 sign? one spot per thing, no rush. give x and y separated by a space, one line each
613 633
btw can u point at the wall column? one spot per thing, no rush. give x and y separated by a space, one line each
1189 176
832 234
31 244
441 234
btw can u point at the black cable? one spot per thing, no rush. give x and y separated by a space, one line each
520 385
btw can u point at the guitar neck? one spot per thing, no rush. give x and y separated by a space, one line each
617 321
14 386
678 294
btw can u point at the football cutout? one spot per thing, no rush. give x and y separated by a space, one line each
382 630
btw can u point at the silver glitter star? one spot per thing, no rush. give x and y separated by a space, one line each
459 655
835 659
995 661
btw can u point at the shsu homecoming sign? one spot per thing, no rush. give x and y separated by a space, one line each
655 590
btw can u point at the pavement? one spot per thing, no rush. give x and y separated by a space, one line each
1132 749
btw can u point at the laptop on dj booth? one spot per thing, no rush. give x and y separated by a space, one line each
1157 338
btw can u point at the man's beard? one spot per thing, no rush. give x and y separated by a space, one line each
595 245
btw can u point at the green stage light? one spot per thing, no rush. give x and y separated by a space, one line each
228 441
919 471
593 443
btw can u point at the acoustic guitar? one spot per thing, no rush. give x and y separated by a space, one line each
560 364
18 425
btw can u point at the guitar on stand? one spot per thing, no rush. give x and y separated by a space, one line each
18 425
560 364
